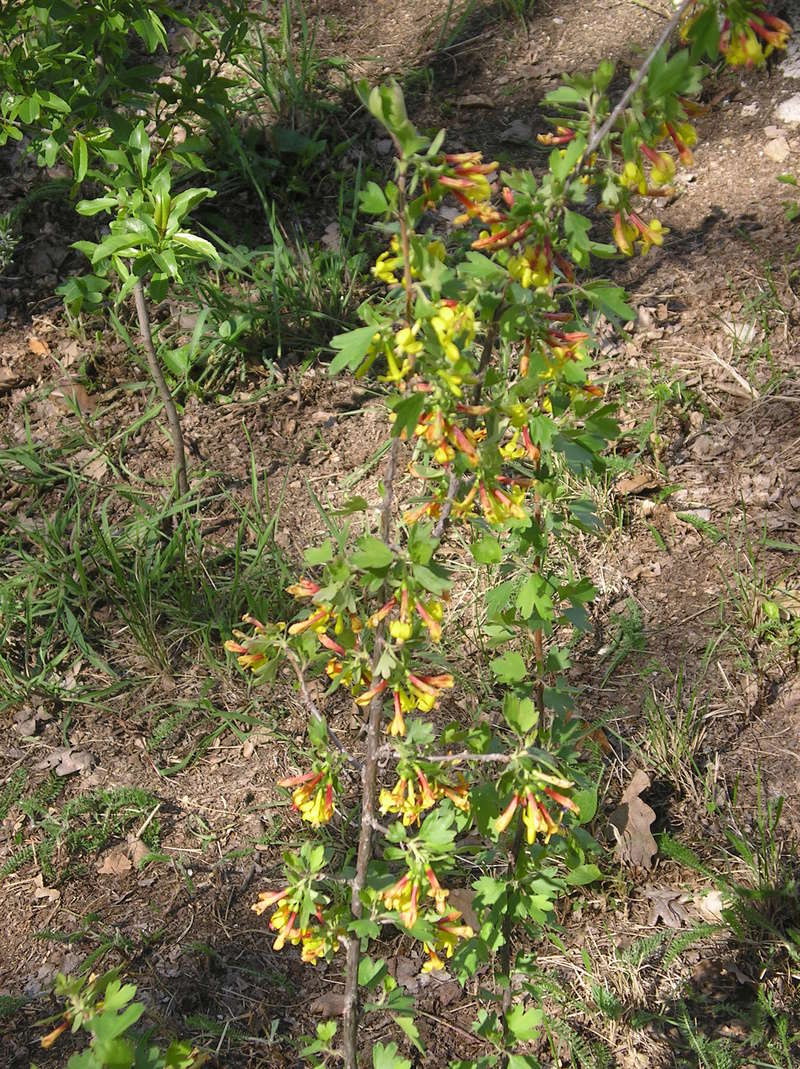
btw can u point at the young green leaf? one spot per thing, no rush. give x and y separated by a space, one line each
510 668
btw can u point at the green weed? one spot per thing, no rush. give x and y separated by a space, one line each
627 637
82 828
675 727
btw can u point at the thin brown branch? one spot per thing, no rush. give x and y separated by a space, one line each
404 242
538 645
314 709
468 755
486 354
640 76
368 801
178 451
447 506
508 923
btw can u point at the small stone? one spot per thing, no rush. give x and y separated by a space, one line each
750 109
772 131
777 149
383 146
644 318
518 133
788 111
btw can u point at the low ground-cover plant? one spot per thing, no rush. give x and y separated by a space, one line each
484 340
103 1007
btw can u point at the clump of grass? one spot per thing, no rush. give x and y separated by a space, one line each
176 595
675 727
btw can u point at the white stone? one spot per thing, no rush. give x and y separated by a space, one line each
788 111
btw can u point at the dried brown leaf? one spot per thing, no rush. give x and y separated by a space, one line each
37 346
50 894
115 863
330 1004
68 395
74 761
630 823
636 484
137 851
668 905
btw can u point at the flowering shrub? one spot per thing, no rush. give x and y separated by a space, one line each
483 338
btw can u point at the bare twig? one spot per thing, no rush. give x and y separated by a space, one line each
452 490
641 74
314 709
369 798
178 451
468 755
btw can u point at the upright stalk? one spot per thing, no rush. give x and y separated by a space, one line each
369 797
178 451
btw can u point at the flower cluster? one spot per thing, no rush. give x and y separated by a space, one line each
536 817
409 799
406 898
448 931
318 939
403 897
748 34
631 231
312 796
466 176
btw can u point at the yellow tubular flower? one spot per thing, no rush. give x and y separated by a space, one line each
405 341
384 268
632 177
313 949
512 450
401 631
447 933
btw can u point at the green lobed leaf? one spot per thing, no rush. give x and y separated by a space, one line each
520 713
388 1057
372 554
353 347
510 668
373 200
524 1024
407 411
371 972
582 875
409 1027
487 550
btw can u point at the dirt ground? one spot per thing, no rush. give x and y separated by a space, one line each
702 528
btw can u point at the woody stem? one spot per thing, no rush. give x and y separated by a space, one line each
508 922
597 137
368 800
179 454
405 246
